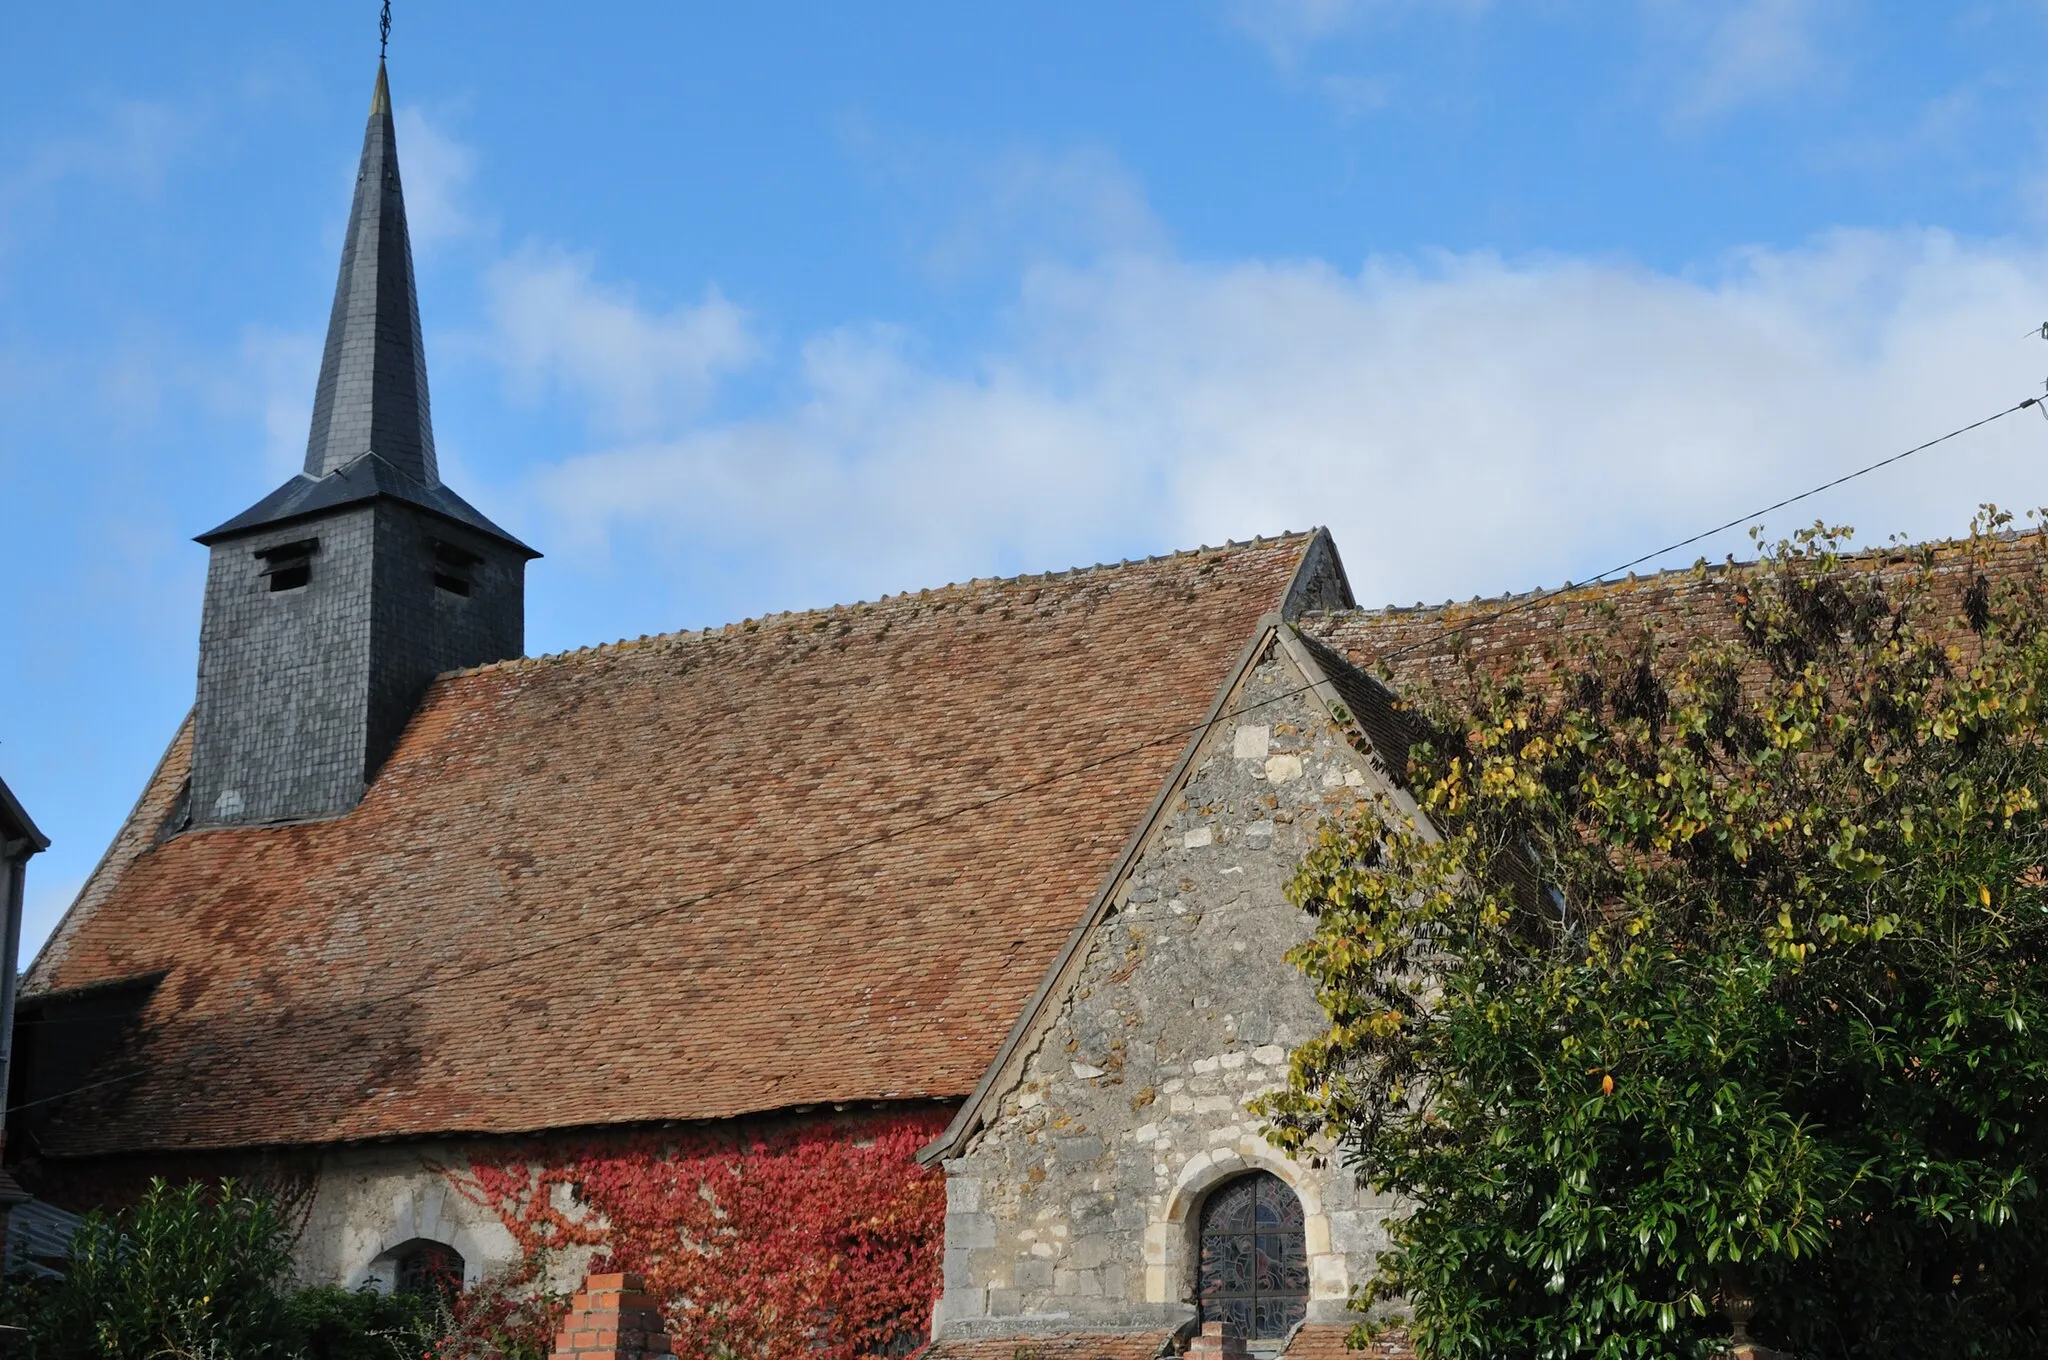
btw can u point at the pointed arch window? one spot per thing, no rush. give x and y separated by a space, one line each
1254 1266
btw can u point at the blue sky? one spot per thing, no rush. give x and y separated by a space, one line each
732 309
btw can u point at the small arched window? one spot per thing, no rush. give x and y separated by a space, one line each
1254 1272
428 1269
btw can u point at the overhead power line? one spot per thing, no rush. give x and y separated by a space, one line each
1538 596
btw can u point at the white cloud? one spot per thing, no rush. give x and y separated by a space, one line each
1716 58
437 170
1465 424
555 326
280 369
1288 27
1356 96
131 145
48 899
1702 59
1029 206
966 213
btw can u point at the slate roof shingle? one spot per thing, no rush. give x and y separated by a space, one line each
347 979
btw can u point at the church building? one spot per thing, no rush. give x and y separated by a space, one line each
1006 855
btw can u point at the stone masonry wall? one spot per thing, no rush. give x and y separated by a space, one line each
1077 1205
369 1202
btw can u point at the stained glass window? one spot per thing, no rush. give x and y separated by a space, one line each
1254 1275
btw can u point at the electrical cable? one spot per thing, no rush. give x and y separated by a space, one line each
1538 596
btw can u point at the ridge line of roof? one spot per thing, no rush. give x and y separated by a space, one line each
755 624
1894 551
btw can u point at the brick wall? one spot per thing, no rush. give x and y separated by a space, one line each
612 1318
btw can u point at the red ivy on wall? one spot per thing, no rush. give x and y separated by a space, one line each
821 1242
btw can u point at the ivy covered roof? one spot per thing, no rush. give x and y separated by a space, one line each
1412 647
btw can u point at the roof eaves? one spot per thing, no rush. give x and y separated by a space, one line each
368 478
15 823
137 833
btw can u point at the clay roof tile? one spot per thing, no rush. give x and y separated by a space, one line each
777 864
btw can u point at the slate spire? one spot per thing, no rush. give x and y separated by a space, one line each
333 602
372 396
373 433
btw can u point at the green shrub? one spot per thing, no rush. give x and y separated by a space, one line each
203 1273
25 1303
190 1272
331 1323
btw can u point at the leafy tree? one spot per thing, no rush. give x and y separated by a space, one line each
1714 974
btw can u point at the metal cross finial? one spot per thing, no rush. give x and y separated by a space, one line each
384 30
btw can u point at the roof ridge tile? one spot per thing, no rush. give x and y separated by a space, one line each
754 624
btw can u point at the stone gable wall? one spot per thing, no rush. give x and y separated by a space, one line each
1077 1203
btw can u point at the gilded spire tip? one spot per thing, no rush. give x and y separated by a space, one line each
380 102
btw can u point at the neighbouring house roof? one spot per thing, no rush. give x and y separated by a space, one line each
898 810
1148 1345
1311 1341
15 823
1326 1341
37 1232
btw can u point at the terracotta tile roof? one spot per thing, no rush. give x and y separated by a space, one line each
1311 1342
1319 1341
1425 644
1079 1346
339 980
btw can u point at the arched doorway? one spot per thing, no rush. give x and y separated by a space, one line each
1253 1273
426 1268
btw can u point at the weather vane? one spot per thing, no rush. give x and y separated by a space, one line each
384 30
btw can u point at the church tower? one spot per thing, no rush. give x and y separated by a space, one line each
333 601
